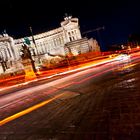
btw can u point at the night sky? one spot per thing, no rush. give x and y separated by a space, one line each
120 18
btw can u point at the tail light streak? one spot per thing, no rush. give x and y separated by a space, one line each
30 109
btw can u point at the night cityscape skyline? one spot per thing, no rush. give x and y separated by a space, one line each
120 18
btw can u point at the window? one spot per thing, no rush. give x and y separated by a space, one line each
70 38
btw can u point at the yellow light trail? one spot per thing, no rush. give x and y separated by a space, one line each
126 67
28 110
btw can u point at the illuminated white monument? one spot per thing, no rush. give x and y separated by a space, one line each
53 41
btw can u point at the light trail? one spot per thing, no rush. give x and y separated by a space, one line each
126 67
95 75
27 93
11 78
61 73
22 93
103 72
26 111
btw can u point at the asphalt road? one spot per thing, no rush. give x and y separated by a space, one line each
97 103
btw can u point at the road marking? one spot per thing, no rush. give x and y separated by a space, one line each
28 110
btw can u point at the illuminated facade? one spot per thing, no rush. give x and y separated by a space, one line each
57 42
81 46
53 41
7 49
7 52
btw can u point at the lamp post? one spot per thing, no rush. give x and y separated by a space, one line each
35 44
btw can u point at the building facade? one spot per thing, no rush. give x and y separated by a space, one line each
7 52
53 41
57 42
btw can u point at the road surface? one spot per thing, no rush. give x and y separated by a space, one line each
97 103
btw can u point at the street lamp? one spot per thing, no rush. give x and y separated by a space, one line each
35 44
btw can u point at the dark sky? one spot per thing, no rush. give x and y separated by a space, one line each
120 17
